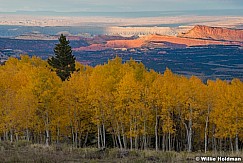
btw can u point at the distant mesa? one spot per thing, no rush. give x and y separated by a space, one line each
214 33
199 35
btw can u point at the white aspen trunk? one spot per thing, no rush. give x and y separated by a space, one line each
98 134
190 132
47 137
58 134
11 136
187 135
136 142
231 145
131 142
163 142
119 140
131 135
104 136
119 136
6 135
17 137
174 142
169 142
190 140
114 139
124 138
73 137
40 138
80 140
144 142
214 139
220 145
236 136
86 139
144 137
47 129
76 138
136 137
101 137
27 135
156 129
236 143
205 133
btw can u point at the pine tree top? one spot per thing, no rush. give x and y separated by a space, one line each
63 60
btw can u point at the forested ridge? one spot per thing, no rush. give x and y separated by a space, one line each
121 105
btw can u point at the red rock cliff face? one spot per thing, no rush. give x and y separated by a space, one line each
214 33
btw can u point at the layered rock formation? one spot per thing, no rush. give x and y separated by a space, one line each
154 40
199 35
214 33
112 44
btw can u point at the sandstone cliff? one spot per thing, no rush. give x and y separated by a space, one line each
214 33
154 40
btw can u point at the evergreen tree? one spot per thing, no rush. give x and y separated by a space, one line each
64 60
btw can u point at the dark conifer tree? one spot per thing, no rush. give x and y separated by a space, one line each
63 61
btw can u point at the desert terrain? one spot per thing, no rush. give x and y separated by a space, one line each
164 25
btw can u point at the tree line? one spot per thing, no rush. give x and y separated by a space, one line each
122 105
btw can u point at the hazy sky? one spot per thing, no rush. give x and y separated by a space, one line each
117 5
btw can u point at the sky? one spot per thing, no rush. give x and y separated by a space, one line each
116 5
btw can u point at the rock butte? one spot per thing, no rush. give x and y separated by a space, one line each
215 33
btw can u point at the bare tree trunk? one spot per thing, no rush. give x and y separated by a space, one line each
73 137
169 142
187 135
236 143
40 140
220 145
214 140
101 137
58 134
86 139
98 129
115 143
104 136
76 138
131 142
205 134
47 137
163 142
174 142
80 140
17 137
131 145
119 140
124 138
11 135
144 136
190 132
156 129
5 135
27 135
231 145
136 142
